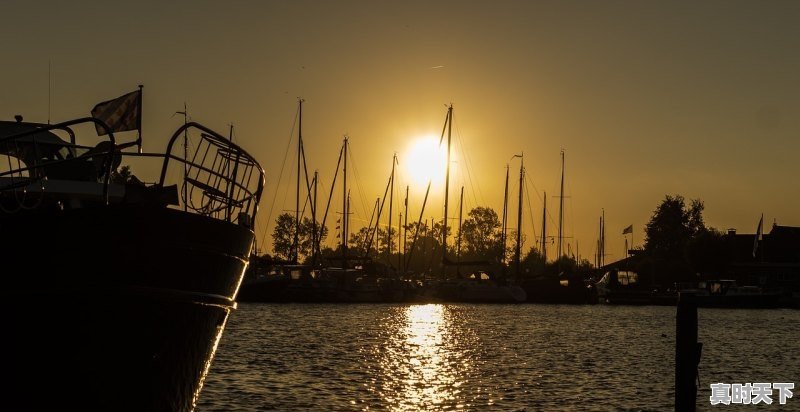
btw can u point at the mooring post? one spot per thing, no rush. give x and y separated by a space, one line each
687 355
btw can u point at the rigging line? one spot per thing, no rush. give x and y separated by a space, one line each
357 177
468 166
280 176
528 179
549 215
571 208
322 189
333 183
530 212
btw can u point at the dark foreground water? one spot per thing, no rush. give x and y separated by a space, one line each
487 357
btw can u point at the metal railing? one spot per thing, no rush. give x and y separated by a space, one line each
220 179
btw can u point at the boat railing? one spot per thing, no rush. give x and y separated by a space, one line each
219 179
37 155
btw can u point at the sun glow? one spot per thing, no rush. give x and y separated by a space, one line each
426 160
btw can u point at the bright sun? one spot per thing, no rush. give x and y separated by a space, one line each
426 160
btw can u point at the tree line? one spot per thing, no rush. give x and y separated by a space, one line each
678 246
478 244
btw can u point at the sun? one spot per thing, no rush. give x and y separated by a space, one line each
425 160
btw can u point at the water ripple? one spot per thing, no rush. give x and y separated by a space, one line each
478 357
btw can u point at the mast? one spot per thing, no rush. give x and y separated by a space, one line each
519 212
458 240
345 206
561 208
391 201
297 190
505 220
603 238
544 229
449 123
185 114
599 236
314 234
405 229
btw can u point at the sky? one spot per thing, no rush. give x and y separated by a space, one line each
645 98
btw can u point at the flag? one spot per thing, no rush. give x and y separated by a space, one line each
758 234
627 230
120 114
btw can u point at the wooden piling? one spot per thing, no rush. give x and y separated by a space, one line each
686 353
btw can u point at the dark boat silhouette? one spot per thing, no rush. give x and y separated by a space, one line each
117 291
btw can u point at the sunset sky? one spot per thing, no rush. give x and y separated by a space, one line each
646 98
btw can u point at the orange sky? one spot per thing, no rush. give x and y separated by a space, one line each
646 98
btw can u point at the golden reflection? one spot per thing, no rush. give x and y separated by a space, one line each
423 367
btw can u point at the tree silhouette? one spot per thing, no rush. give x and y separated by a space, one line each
668 233
480 235
283 237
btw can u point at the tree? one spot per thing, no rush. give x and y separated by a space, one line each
668 233
480 235
283 237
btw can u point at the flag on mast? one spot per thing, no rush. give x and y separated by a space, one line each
120 114
627 230
758 234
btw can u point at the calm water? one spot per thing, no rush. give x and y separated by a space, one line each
486 357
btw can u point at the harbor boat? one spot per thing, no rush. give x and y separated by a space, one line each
118 291
477 288
623 287
726 293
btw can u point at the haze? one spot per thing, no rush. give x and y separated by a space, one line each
645 98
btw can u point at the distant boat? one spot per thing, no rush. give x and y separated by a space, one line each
725 293
116 291
623 287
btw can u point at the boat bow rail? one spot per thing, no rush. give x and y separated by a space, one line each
218 178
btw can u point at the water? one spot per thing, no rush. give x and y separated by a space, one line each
486 357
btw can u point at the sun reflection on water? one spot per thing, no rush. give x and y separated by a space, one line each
422 365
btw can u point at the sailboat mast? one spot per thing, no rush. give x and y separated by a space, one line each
449 121
458 240
599 239
405 229
297 191
505 220
345 205
544 228
519 212
391 201
315 232
603 239
561 209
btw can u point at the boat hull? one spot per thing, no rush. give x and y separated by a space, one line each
117 307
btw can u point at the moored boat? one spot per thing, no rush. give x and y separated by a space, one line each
117 291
